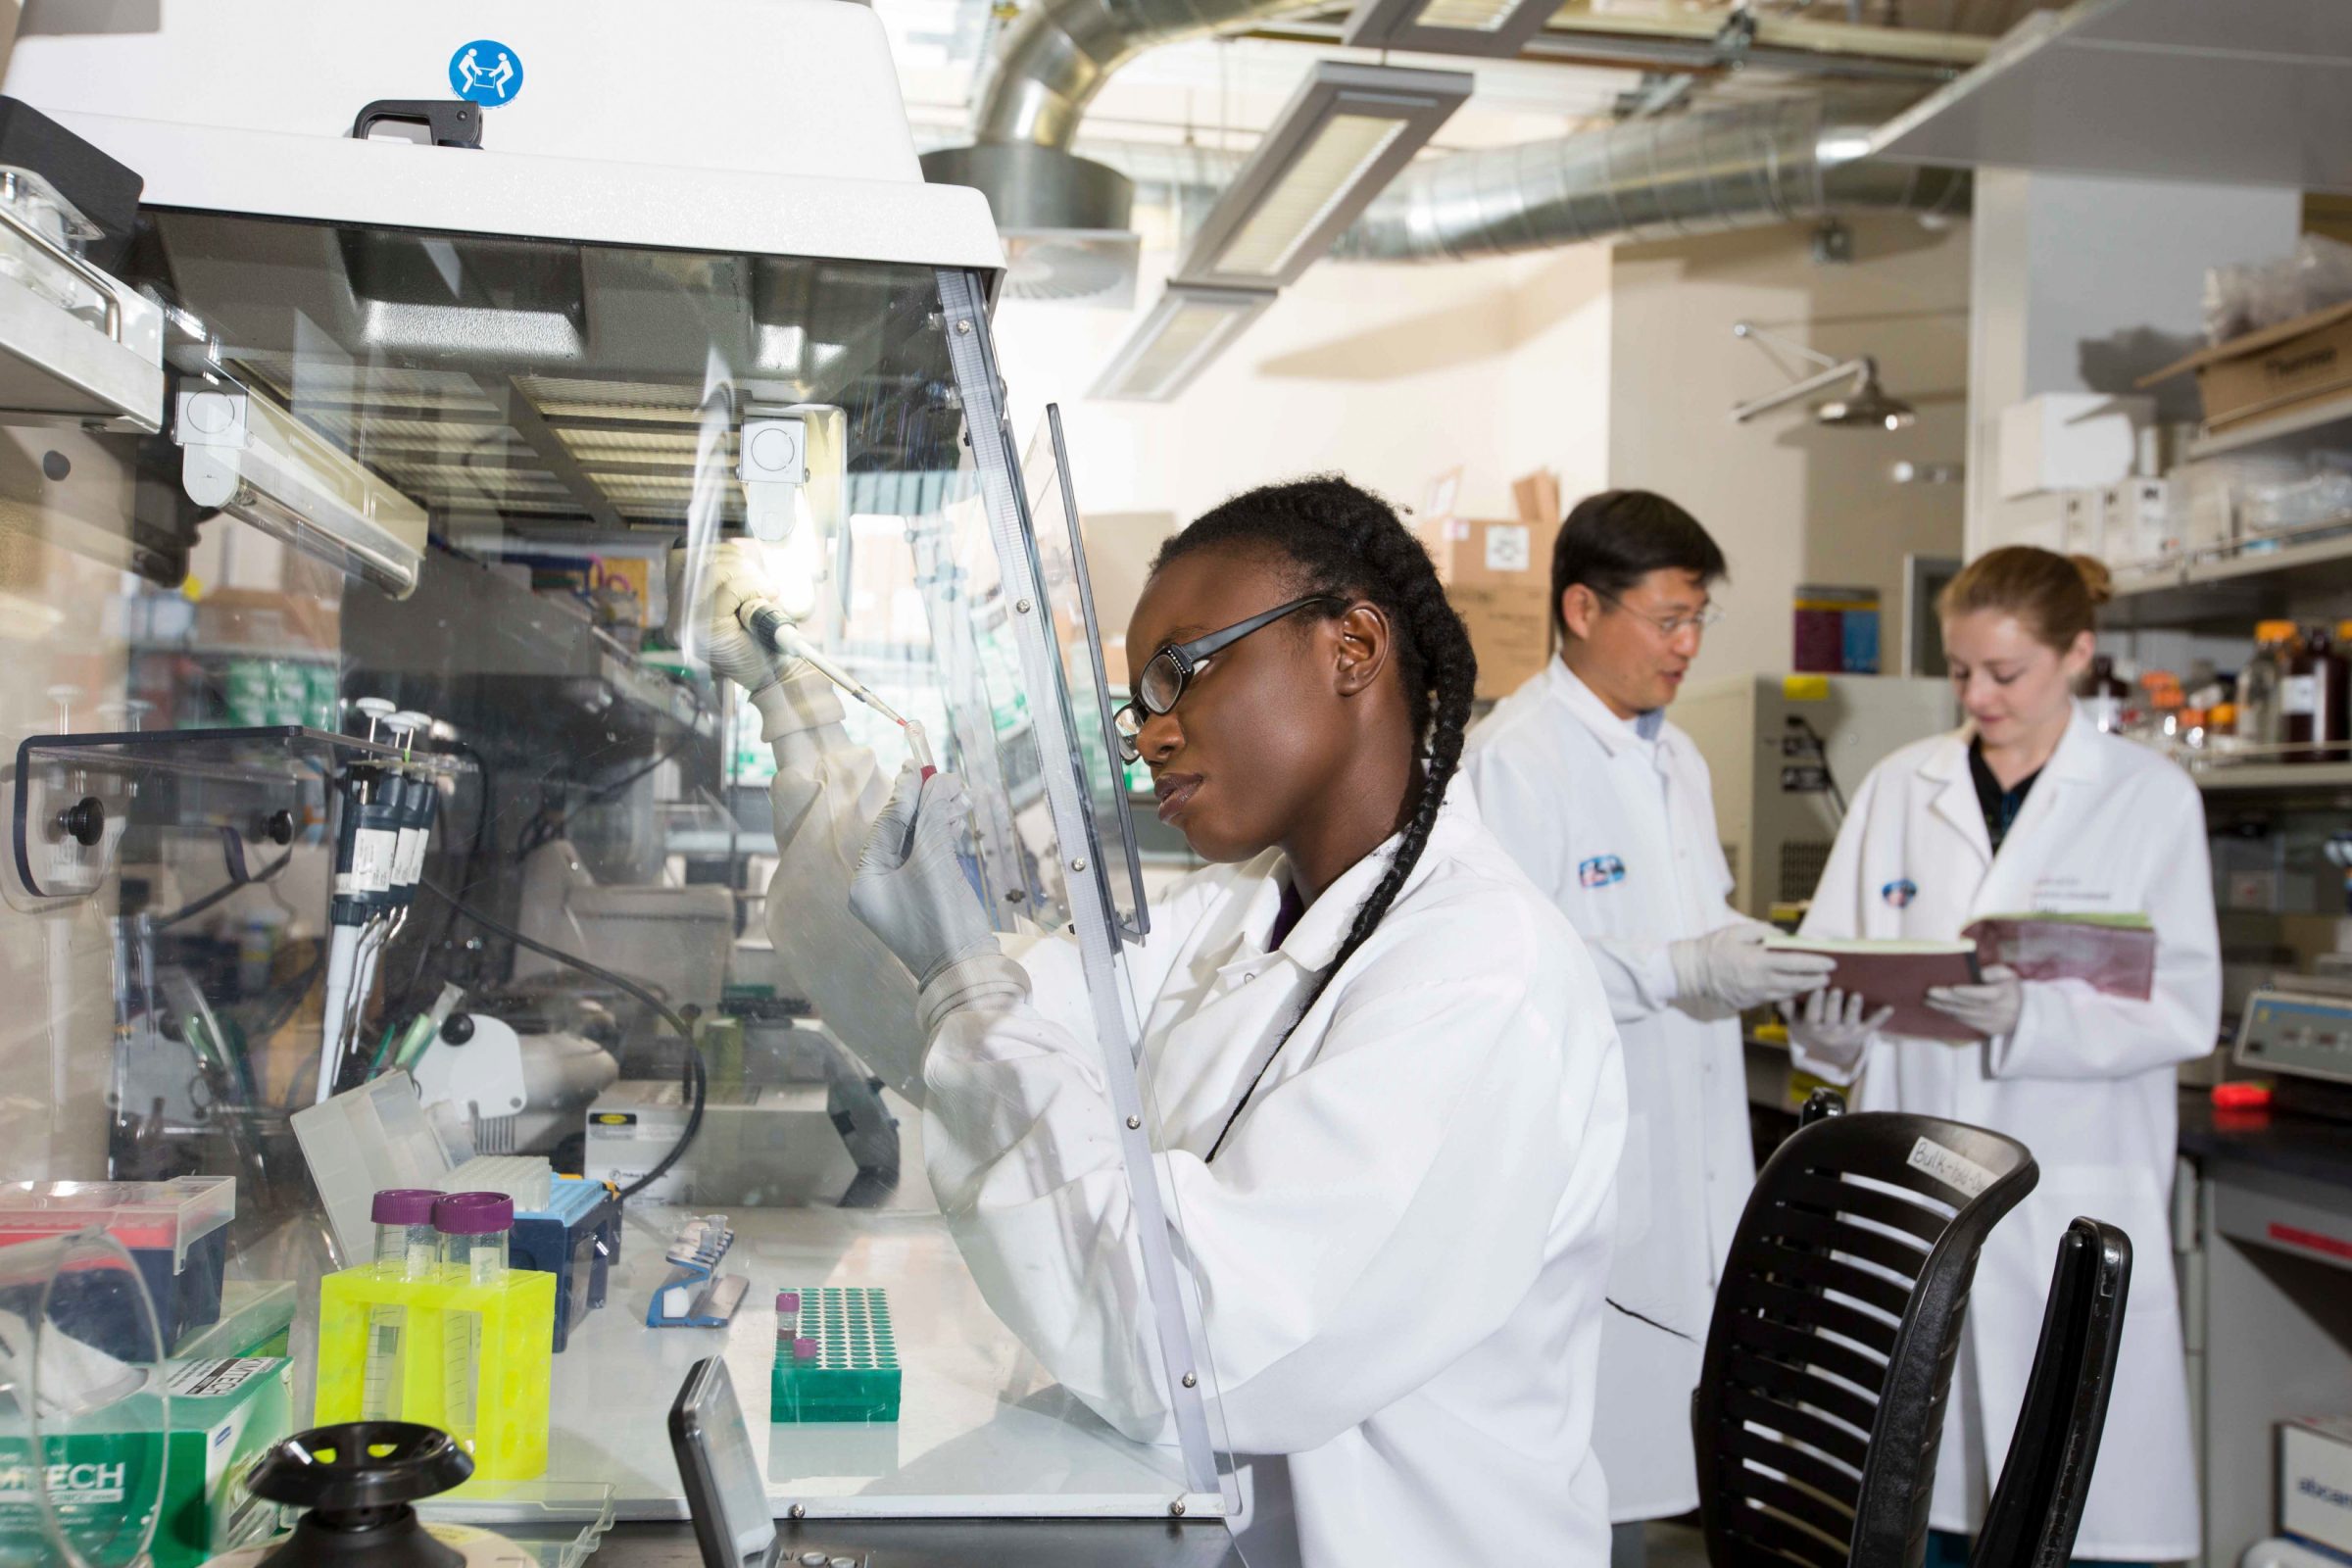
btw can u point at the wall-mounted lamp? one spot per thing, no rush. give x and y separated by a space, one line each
1865 404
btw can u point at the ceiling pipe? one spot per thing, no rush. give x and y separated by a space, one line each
1704 173
1049 66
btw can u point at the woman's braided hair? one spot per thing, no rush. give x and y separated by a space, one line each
1347 543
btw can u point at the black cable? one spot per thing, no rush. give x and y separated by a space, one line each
485 778
1821 755
697 1081
545 829
232 851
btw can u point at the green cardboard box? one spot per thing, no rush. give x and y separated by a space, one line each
222 1414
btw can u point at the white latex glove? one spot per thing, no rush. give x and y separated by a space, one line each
825 795
1731 968
909 889
1991 1008
1832 1025
706 589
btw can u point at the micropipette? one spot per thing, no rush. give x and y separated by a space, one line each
783 638
765 623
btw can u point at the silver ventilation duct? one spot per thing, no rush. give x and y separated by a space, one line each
1064 219
1052 61
1702 173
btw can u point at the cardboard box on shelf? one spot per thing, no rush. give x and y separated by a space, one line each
1499 583
1498 576
2297 362
1510 631
1467 550
1535 497
2315 1480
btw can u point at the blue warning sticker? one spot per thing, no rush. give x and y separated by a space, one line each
485 71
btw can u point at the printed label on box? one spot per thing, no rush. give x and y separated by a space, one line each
1509 549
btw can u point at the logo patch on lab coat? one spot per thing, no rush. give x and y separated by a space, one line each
1901 892
1599 871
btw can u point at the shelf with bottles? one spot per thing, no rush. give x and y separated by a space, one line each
2254 575
2281 722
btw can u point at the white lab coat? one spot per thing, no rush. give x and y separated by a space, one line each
2087 1082
1400 1249
1576 794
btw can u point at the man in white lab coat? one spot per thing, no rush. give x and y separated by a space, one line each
1607 806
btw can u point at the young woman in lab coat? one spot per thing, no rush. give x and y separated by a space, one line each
1390 1088
2030 807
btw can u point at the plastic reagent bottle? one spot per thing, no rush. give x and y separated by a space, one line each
406 1248
407 1245
474 1227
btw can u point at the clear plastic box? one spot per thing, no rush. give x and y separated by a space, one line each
171 1215
177 1232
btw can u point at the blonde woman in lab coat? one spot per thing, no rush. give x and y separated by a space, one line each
1391 1097
2030 807
1608 808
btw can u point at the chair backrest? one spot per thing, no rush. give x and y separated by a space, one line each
1819 1404
2037 1503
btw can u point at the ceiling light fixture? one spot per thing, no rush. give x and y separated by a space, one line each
1337 144
1493 28
1865 406
1188 328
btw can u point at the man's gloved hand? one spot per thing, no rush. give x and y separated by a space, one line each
1991 1008
909 889
1830 1026
1731 968
706 591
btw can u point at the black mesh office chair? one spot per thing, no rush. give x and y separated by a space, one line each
1821 1402
2037 1503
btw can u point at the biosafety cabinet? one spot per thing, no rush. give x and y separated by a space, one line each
376 808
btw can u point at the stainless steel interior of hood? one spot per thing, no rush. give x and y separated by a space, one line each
544 386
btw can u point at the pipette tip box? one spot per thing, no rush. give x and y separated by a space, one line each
837 1358
177 1232
576 1237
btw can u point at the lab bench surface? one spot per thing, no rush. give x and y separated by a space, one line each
941 1542
2312 1148
2267 1314
984 1428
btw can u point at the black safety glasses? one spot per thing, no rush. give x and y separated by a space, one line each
1161 686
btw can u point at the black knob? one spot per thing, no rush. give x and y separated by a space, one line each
360 1464
280 829
358 1480
84 821
457 1028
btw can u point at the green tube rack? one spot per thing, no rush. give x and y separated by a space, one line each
836 1358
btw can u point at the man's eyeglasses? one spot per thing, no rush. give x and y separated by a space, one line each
1701 618
1161 686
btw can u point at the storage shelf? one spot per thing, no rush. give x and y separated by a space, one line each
2275 777
2255 432
2220 589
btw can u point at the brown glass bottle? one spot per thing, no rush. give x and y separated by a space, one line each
2312 706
